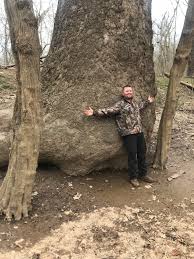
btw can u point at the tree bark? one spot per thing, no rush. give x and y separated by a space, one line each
16 189
190 69
97 47
176 73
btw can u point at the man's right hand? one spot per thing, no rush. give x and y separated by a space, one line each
151 99
89 111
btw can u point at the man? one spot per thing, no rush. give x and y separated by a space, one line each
128 119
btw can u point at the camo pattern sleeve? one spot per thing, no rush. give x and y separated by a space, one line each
143 105
113 110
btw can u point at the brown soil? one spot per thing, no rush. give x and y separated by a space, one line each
53 202
63 203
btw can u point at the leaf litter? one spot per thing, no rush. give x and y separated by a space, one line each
116 233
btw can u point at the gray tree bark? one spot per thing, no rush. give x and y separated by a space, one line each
97 47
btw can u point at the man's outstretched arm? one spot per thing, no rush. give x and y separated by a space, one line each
144 104
113 110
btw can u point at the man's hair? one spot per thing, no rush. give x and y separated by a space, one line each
126 86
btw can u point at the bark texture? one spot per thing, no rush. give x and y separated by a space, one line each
16 189
176 73
190 69
97 47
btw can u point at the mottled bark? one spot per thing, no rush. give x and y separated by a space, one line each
97 47
16 189
176 73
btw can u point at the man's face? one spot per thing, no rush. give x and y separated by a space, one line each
128 92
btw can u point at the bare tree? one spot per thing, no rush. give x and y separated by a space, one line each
176 73
45 16
16 189
5 44
165 40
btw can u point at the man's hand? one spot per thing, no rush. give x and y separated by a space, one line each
151 99
135 130
89 111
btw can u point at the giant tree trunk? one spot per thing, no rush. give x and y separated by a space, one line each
16 189
97 47
176 73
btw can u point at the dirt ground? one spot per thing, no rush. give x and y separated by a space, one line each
100 216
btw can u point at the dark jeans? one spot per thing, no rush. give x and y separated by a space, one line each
136 148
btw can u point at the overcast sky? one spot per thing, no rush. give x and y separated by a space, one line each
160 7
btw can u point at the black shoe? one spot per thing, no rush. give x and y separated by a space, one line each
147 179
134 182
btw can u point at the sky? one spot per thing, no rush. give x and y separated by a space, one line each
160 7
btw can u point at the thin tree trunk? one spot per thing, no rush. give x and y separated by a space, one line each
176 73
6 43
16 189
190 70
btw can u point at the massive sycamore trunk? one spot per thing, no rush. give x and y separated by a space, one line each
16 189
97 47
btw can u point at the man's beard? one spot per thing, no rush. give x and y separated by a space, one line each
128 98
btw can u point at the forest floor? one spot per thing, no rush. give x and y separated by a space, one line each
100 216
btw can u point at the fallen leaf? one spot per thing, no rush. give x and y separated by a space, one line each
89 179
18 242
77 196
70 184
34 193
148 186
176 252
176 175
154 197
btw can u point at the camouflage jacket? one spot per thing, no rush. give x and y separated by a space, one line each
127 113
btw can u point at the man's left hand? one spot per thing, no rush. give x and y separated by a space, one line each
151 99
